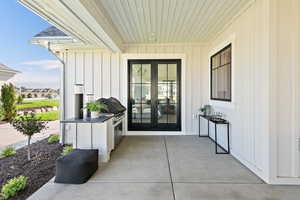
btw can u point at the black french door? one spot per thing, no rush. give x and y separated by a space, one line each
154 96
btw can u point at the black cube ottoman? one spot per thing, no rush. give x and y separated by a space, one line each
77 166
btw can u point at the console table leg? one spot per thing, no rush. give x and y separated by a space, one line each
216 139
228 142
208 128
199 125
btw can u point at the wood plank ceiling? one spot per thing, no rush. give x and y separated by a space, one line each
171 21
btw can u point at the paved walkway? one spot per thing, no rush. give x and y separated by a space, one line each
9 136
169 168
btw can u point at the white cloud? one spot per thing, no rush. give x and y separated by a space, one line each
36 79
44 64
38 74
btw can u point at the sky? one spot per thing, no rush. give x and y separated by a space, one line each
38 67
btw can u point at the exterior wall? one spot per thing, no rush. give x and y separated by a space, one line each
4 77
265 107
98 71
191 97
285 90
248 112
104 74
265 110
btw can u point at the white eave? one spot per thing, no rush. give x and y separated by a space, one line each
75 19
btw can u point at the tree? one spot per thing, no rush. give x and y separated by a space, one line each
29 125
23 96
20 99
8 101
29 95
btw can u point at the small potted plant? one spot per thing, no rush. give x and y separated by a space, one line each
206 110
95 108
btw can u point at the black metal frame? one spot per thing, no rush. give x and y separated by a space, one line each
154 125
211 74
209 119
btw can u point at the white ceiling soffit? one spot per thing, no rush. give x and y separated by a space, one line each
112 23
80 19
171 21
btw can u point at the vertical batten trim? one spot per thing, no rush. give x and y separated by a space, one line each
83 72
119 70
75 67
93 72
101 73
294 139
110 74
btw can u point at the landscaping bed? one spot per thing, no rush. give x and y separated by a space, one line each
39 170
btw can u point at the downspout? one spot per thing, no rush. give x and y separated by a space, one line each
62 94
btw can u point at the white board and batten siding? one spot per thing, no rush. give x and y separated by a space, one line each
264 143
98 71
248 111
104 74
264 112
191 57
285 90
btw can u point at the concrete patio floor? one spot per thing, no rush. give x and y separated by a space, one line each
168 168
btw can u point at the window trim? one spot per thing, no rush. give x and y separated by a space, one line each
211 74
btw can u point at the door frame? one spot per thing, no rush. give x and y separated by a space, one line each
124 91
157 126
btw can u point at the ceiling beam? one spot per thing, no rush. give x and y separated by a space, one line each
86 21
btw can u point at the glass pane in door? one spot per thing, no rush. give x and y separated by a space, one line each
140 93
167 93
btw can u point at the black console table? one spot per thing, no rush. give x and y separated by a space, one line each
216 121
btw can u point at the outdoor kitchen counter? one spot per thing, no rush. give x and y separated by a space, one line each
91 134
88 120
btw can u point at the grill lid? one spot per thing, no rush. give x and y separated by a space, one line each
113 105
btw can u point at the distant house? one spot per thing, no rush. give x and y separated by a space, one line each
38 92
6 73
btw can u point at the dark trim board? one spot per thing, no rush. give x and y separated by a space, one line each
211 74
155 125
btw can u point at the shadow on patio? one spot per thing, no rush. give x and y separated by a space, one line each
166 168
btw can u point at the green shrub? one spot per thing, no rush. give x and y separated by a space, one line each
20 99
8 100
13 186
29 125
53 138
8 151
1 112
66 150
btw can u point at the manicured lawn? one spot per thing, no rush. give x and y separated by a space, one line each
49 116
38 103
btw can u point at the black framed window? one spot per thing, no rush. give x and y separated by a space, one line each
220 67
